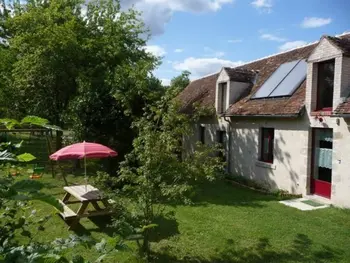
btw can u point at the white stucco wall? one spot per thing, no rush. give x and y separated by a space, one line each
292 152
237 91
289 170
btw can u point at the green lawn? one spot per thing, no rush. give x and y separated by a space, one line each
226 224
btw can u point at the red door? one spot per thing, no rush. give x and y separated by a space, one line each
321 162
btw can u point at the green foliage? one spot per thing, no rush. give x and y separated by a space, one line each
35 120
25 157
84 70
156 173
9 151
181 81
9 123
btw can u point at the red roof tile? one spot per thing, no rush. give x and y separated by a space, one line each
343 108
202 90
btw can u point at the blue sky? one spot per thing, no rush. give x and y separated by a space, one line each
204 35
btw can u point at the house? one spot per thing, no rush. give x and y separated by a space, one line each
284 120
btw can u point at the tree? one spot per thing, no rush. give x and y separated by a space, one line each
154 174
115 83
81 66
181 81
45 36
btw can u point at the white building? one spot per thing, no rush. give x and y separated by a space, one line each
284 119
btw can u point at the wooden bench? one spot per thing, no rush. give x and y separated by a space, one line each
85 195
67 212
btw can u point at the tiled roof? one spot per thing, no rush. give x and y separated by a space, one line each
343 108
203 90
342 43
240 74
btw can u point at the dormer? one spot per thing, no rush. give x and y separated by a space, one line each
232 84
328 75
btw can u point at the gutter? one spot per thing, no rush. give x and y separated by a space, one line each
295 115
341 115
229 144
266 116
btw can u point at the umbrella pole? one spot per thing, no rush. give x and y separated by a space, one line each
85 174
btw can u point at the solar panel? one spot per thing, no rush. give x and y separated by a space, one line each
292 81
276 78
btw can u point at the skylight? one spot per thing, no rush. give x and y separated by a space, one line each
284 81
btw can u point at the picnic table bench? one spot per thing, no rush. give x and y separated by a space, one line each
85 195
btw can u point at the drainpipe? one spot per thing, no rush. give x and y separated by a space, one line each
229 145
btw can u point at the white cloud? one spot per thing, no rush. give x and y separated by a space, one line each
263 5
313 22
272 37
235 40
165 82
178 50
157 13
204 66
155 50
292 44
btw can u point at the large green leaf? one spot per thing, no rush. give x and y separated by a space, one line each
34 120
9 123
25 157
27 186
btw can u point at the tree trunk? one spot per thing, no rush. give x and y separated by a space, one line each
146 246
59 139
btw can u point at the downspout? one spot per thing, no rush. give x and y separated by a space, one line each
229 145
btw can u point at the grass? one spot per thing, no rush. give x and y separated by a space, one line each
226 224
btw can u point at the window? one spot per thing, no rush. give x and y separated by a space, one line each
266 145
202 134
221 138
222 98
325 85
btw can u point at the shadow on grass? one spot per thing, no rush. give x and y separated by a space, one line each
102 224
300 251
224 193
167 227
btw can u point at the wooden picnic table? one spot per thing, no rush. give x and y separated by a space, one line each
85 195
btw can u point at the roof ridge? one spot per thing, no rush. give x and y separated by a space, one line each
279 53
207 76
283 52
273 55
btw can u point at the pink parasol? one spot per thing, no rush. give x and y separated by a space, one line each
84 150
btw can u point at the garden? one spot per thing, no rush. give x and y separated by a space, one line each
92 160
225 223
